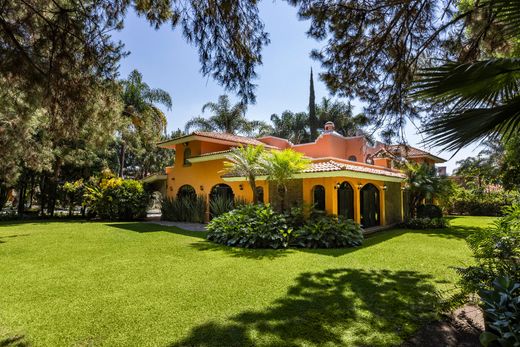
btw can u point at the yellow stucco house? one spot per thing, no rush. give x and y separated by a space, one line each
347 175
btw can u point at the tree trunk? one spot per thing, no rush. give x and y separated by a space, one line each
43 194
22 187
122 159
3 195
31 195
282 191
252 183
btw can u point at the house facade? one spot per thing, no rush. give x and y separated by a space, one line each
348 176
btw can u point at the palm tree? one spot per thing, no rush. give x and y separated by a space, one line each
423 183
226 118
281 166
146 120
291 126
482 97
340 114
246 162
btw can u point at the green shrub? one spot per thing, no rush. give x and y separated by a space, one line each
429 211
328 232
117 199
218 205
184 209
250 226
501 307
496 252
481 203
426 223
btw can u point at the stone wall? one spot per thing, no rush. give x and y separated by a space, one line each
294 195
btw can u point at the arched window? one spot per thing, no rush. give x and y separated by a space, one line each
370 213
318 197
221 200
187 191
260 194
187 156
346 200
352 158
369 160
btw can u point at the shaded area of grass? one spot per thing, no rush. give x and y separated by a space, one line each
145 284
337 307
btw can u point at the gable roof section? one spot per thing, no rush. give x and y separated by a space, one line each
412 152
223 138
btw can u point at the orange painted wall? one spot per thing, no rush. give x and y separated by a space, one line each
329 145
276 142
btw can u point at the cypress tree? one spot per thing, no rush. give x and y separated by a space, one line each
313 121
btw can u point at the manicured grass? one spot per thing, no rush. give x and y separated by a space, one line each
136 284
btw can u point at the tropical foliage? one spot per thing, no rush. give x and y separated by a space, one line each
291 126
116 199
328 232
249 162
184 209
281 166
486 90
259 226
250 226
477 202
226 118
144 122
422 182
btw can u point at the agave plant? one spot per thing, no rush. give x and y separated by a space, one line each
482 97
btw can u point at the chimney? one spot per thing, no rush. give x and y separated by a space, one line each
329 127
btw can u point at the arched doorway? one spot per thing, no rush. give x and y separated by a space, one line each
318 197
370 209
346 200
221 200
186 191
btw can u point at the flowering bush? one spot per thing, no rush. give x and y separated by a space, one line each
117 199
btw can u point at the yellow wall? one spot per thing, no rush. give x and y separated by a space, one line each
331 200
204 175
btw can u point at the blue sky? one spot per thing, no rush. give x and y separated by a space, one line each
168 62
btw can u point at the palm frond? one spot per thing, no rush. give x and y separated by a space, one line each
507 13
457 129
199 123
470 84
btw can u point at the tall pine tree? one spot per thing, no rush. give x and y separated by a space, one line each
313 121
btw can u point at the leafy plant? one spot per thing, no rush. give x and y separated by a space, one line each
220 204
116 198
184 209
429 211
247 162
496 252
281 166
502 313
477 202
250 226
426 223
328 232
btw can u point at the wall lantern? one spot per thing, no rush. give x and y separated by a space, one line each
241 186
337 185
359 186
201 187
384 187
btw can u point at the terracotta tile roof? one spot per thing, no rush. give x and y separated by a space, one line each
338 166
409 151
230 137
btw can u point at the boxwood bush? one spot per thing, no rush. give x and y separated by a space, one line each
426 223
259 226
250 226
328 232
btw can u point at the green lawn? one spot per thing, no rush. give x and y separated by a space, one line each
136 284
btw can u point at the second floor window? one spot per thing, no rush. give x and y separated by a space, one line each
187 155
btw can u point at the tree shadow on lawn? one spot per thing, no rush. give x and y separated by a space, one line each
14 341
139 227
249 253
336 307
